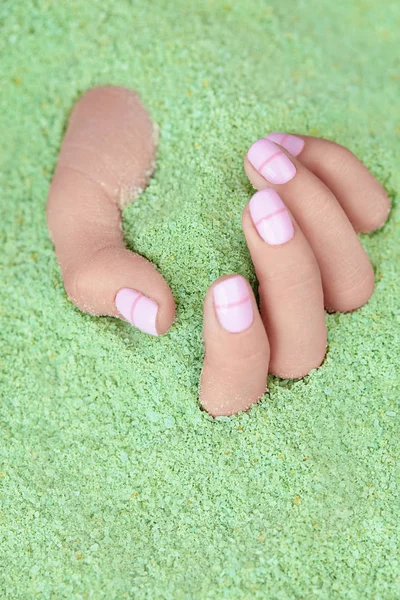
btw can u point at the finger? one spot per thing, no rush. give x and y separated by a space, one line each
106 158
290 288
361 196
347 275
236 360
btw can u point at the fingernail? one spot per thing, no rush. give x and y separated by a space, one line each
139 310
233 304
292 143
271 162
270 217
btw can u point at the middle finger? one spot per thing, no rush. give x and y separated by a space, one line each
290 290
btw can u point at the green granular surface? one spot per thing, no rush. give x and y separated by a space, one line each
114 484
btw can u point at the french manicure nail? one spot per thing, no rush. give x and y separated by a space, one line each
292 143
233 304
139 310
270 217
271 162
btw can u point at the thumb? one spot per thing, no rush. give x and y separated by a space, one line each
107 155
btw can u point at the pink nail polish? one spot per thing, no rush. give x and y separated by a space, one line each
292 143
271 162
270 217
233 304
139 310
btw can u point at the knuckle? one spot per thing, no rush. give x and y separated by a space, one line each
256 354
318 204
249 353
76 282
247 362
292 276
339 159
81 277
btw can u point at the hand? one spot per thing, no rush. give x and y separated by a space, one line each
301 231
303 244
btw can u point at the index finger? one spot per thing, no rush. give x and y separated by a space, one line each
237 353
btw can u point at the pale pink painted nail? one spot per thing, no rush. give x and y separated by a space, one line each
270 217
139 310
292 143
233 304
271 162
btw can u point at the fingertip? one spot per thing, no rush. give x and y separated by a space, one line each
362 197
166 314
292 143
355 292
303 362
377 218
247 223
271 161
147 314
237 351
257 181
233 303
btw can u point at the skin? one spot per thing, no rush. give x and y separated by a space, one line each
235 366
346 272
106 159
